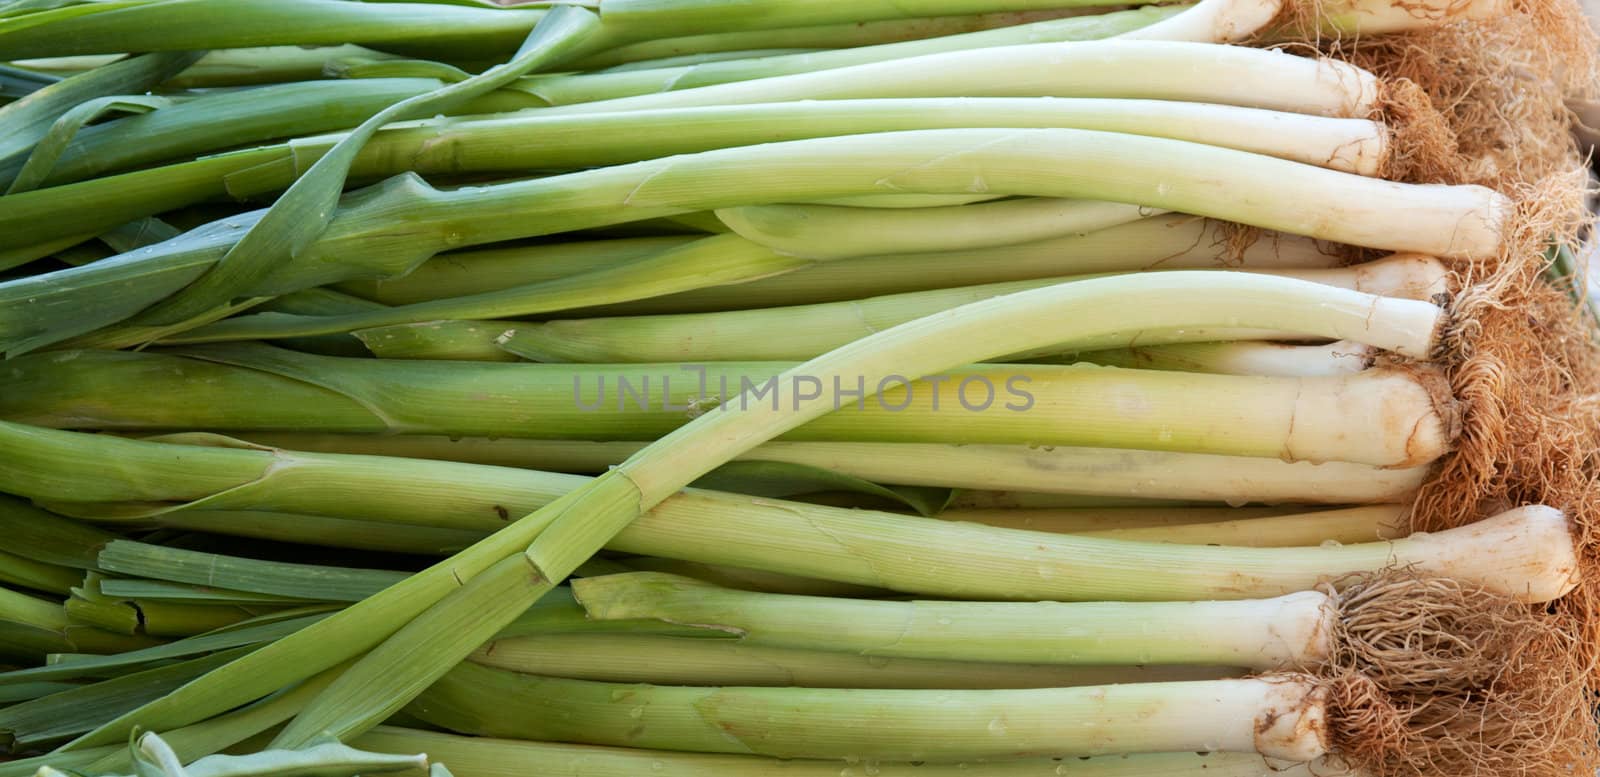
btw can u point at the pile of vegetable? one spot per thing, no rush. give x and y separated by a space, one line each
803 387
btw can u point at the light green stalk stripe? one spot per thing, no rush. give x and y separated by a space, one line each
399 667
566 89
365 240
1171 242
888 724
484 757
438 29
1261 634
252 387
663 660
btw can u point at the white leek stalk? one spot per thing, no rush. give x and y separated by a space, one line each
1160 70
1039 471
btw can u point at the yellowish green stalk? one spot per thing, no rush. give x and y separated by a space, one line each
661 660
891 724
1385 418
487 757
1057 470
1284 632
1171 242
808 330
565 89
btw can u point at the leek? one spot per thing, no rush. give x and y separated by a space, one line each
1386 418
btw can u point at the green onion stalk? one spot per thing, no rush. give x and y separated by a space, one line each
1286 632
666 660
1038 470
735 335
1384 418
485 757
365 240
1228 75
459 145
1278 718
1171 242
729 260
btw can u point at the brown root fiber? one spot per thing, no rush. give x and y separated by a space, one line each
1486 103
1432 677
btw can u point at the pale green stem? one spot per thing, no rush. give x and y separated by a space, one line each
1387 418
936 558
664 660
566 89
1163 242
1042 471
1289 631
890 724
808 330
484 757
